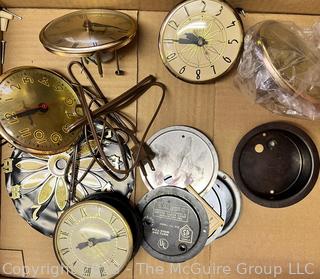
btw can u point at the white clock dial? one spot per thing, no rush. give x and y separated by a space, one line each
93 240
200 40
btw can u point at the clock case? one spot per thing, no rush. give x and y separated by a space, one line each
237 13
279 68
130 213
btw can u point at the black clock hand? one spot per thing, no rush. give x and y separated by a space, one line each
192 39
41 107
94 241
82 245
103 239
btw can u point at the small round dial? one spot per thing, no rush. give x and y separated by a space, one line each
93 240
36 107
200 40
86 31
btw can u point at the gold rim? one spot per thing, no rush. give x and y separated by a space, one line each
12 140
109 207
165 22
275 73
87 51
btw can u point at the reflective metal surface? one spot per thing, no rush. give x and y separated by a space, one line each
86 31
289 59
40 192
183 156
36 107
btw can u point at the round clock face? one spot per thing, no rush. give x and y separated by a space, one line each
200 40
93 240
40 191
36 107
86 31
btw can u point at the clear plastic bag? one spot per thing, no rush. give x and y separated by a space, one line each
280 68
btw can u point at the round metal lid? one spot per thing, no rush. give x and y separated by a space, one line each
288 58
183 156
214 197
40 192
232 197
84 32
175 224
276 164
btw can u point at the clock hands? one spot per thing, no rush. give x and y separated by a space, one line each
192 39
88 25
94 241
42 107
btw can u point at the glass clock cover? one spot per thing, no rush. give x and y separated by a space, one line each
36 107
200 40
86 31
93 240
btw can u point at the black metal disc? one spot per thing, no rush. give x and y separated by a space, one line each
276 164
175 224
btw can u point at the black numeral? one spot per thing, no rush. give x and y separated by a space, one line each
198 73
171 57
186 10
64 251
87 271
113 219
121 232
230 42
213 69
182 70
220 11
204 6
227 59
64 235
70 221
102 272
83 212
233 23
173 24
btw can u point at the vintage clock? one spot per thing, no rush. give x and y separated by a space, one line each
200 40
40 190
96 238
36 107
94 33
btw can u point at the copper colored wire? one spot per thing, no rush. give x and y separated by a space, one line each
109 116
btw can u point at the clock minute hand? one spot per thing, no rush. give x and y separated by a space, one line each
103 239
94 241
82 245
41 107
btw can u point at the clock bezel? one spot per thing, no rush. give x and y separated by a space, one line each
12 140
81 204
175 74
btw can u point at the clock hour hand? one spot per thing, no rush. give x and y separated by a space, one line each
103 239
88 25
94 241
41 107
82 245
192 39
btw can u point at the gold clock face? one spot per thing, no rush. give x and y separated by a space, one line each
200 40
86 31
36 107
93 240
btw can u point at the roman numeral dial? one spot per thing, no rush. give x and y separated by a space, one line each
93 240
